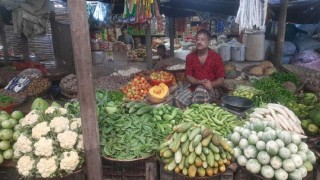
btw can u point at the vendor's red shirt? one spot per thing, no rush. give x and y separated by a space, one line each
212 68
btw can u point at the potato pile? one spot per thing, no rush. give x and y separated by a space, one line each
37 86
264 69
69 83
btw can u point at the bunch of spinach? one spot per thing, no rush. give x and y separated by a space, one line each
282 77
274 92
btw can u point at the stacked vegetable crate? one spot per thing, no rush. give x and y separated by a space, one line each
130 170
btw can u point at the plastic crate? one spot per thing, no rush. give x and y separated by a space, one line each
170 175
135 170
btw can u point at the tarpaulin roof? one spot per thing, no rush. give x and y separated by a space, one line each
299 11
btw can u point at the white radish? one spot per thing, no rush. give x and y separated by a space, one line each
285 121
270 118
292 115
303 136
280 110
276 105
253 119
261 110
281 123
256 115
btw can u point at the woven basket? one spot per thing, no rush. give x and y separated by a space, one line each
19 98
126 160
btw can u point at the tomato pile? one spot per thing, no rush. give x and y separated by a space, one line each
137 88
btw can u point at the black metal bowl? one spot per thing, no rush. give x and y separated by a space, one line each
237 102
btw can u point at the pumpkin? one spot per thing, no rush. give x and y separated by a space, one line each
158 93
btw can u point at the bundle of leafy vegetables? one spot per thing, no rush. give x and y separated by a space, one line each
5 100
282 77
108 102
274 92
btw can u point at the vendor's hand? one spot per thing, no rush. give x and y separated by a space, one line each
207 84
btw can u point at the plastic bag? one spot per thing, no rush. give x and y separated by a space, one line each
99 14
308 59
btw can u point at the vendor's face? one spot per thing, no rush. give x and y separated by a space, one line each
123 31
202 41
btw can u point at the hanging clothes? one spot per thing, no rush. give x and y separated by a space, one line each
130 11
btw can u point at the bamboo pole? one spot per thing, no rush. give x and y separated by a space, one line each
171 35
281 32
83 61
148 45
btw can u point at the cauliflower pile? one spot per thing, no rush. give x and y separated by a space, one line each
40 130
47 167
69 161
30 119
67 139
50 144
59 124
43 147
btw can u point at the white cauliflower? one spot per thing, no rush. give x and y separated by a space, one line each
67 139
69 161
43 147
23 144
75 124
40 130
30 119
59 124
25 165
63 111
80 143
50 110
47 166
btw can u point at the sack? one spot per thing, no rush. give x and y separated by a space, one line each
306 43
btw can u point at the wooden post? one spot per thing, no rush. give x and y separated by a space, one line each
148 45
4 41
281 32
151 170
25 47
171 35
83 61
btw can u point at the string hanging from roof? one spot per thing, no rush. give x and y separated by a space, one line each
252 15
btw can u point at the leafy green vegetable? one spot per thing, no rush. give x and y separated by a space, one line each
281 77
5 100
274 92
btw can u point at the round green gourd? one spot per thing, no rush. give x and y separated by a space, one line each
272 148
267 171
298 162
253 166
263 157
284 153
293 148
295 175
276 162
281 174
279 143
261 146
241 160
253 139
250 152
288 165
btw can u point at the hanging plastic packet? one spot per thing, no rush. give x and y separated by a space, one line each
18 84
99 14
